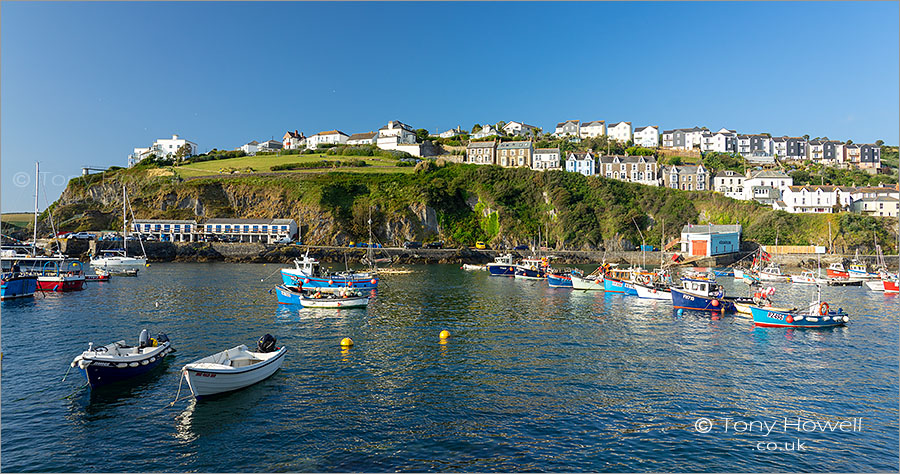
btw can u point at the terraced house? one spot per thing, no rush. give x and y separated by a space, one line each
513 154
569 128
619 131
546 159
596 128
634 169
481 153
686 177
647 137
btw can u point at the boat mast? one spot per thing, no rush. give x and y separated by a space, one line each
36 179
124 225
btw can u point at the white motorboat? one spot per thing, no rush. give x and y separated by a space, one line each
875 285
334 301
772 273
234 369
589 282
473 268
808 277
653 292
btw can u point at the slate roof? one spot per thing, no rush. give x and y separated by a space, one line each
710 229
363 136
481 144
513 145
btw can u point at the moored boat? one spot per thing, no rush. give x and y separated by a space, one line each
818 315
473 268
772 273
588 282
808 277
234 368
702 295
653 292
15 284
343 298
837 270
560 279
118 361
502 266
532 269
308 274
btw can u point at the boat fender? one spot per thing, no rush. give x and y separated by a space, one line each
331 282
349 284
153 359
823 309
133 364
144 362
122 365
798 318
846 319
374 281
789 319
306 281
813 320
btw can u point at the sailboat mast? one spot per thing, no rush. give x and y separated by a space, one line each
124 225
36 179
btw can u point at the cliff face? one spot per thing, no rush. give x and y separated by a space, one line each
98 206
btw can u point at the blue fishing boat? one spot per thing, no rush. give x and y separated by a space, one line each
308 274
701 295
622 281
17 285
502 266
118 361
819 315
559 279
342 298
723 272
532 269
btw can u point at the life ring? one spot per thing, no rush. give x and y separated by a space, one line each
823 309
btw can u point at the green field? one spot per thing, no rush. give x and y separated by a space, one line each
21 219
263 164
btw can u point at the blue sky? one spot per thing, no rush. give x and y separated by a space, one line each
85 83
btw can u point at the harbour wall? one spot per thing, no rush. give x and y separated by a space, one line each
263 253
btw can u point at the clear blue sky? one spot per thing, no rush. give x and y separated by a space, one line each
85 83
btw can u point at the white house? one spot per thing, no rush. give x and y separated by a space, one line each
396 132
269 146
620 131
730 183
597 128
814 199
583 163
881 206
647 137
250 148
452 132
520 129
766 186
322 138
293 140
367 138
710 239
546 159
722 141
162 148
486 131
569 128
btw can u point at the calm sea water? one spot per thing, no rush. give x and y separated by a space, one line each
531 379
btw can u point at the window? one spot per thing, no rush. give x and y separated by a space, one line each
265 228
218 228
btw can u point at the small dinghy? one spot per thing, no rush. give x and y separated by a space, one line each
99 275
118 361
473 268
234 369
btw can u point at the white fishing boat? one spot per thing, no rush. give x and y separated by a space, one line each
473 268
234 369
772 273
653 292
808 277
875 285
118 259
588 282
331 301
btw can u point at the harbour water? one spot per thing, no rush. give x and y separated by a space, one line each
531 379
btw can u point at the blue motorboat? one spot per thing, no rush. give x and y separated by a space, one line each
502 266
702 295
817 316
532 269
308 274
560 279
723 272
118 361
17 285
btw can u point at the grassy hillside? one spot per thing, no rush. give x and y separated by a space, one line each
264 163
467 203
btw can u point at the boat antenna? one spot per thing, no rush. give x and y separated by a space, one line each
140 241
52 226
643 255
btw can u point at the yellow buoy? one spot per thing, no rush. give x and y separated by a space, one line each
445 334
148 264
346 342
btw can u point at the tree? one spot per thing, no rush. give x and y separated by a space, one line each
849 142
500 126
183 151
421 134
806 137
476 128
879 143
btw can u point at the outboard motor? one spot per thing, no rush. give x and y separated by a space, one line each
162 337
144 339
266 343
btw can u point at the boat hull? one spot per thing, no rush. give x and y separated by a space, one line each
206 382
60 283
891 287
579 283
501 269
653 293
837 273
862 274
611 285
683 300
291 277
875 285
556 280
100 373
530 273
18 287
772 318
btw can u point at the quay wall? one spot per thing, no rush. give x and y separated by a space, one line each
265 253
